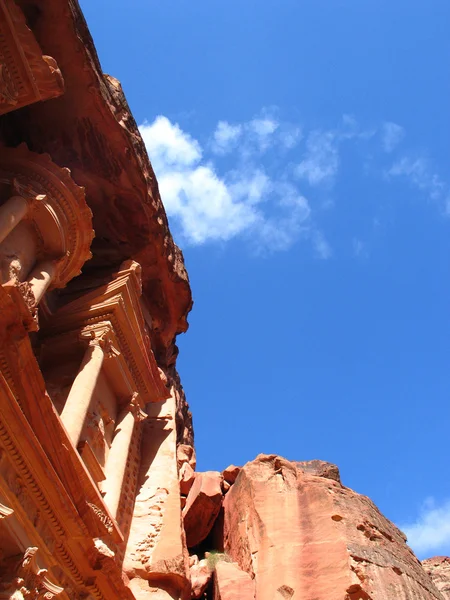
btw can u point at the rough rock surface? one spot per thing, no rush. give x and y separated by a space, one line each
187 478
201 575
231 583
202 506
438 568
230 474
302 534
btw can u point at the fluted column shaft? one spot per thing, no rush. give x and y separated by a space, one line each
118 457
80 396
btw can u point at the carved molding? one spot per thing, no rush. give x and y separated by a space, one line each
26 75
102 518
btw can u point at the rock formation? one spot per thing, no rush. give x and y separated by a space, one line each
438 568
300 533
99 497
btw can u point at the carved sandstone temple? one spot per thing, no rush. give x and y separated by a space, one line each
99 499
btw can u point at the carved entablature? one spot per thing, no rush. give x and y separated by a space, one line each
45 225
26 75
112 313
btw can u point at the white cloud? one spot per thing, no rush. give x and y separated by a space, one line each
321 245
254 192
168 145
208 206
430 533
251 185
262 131
226 137
321 160
289 136
420 174
391 135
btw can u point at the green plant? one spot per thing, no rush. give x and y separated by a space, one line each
214 557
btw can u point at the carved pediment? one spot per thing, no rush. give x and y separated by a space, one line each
26 75
115 308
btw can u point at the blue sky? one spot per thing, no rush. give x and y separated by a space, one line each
302 153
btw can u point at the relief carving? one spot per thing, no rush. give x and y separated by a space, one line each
101 517
21 578
26 75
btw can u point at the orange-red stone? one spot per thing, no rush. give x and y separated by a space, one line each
304 535
438 568
202 506
231 583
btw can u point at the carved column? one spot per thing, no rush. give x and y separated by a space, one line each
80 396
41 277
118 454
11 213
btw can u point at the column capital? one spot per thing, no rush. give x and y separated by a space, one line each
101 339
135 408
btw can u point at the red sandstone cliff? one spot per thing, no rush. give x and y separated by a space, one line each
438 568
297 532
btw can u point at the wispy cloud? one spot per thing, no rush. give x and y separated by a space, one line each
225 137
321 245
269 180
391 135
258 135
419 172
360 248
429 534
207 205
321 160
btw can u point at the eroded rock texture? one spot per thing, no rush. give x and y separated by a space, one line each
300 533
438 568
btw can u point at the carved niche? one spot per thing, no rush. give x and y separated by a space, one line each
26 75
52 233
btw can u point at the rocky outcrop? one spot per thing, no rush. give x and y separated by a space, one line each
438 568
202 506
230 473
201 576
231 583
299 532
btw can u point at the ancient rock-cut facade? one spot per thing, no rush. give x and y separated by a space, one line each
99 498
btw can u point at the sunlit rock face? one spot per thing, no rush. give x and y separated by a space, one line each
300 533
438 568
